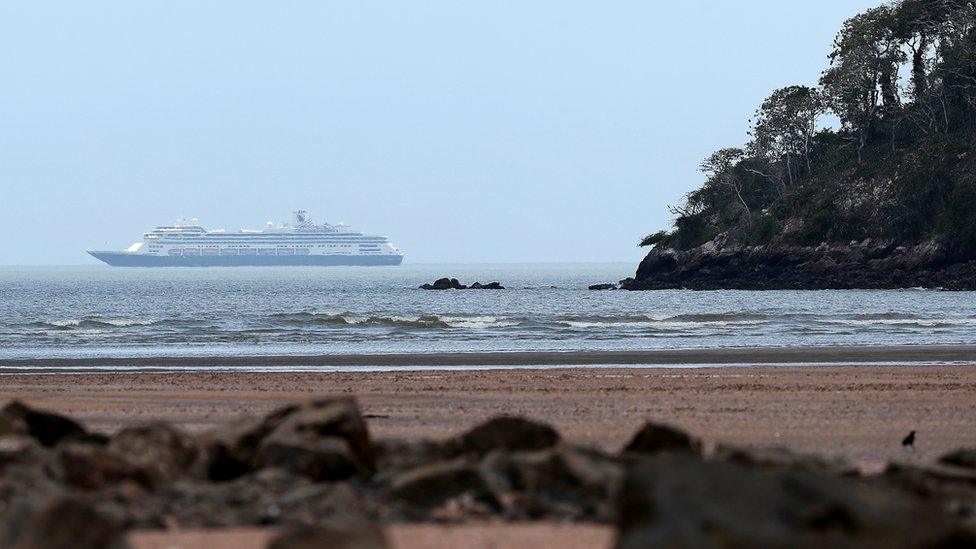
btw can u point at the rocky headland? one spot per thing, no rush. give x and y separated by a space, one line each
867 180
870 264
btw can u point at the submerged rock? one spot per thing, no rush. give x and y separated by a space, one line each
602 287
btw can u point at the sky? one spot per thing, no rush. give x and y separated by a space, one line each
500 131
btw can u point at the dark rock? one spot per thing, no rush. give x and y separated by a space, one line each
159 448
779 458
488 286
964 457
89 467
323 459
444 284
266 497
231 451
454 284
21 450
602 287
681 501
47 427
421 490
359 536
654 437
332 418
504 433
778 266
400 454
560 483
70 522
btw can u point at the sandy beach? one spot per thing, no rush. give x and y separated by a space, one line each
859 413
855 412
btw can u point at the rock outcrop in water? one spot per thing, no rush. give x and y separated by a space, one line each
314 472
454 284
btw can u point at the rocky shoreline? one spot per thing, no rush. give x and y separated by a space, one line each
314 472
858 265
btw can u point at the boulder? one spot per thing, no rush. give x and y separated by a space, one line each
337 418
90 467
158 447
232 451
964 457
655 437
323 459
682 501
778 458
357 536
47 427
503 433
71 522
420 491
559 483
21 450
255 499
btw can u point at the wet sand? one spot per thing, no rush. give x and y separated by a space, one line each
855 412
836 355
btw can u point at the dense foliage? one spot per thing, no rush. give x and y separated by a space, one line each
902 84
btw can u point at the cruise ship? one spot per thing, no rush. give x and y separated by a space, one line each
299 243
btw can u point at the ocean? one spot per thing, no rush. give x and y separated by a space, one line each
86 312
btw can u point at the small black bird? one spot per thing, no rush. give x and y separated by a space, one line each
909 440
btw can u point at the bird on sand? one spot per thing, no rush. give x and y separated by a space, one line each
909 440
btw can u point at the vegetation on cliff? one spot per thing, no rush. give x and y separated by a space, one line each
898 166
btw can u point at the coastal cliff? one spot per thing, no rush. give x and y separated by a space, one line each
865 181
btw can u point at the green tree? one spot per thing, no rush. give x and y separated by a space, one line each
784 127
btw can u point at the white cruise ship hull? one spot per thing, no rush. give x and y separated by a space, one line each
129 259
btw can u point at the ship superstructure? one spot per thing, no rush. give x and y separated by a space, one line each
301 242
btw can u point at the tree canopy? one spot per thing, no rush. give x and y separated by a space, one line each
901 80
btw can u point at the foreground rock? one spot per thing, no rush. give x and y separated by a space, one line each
324 439
47 428
866 264
654 438
70 522
454 284
312 471
681 501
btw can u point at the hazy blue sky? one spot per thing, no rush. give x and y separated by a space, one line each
466 131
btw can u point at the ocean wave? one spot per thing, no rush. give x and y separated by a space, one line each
351 319
730 316
89 323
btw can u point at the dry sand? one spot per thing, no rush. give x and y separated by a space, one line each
855 412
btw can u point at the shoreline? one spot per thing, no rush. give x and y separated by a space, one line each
727 356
